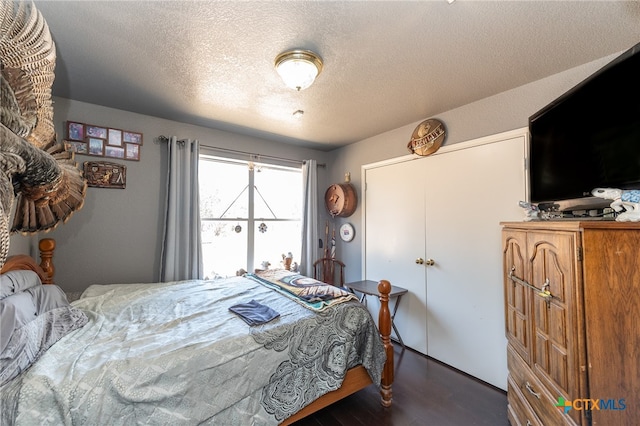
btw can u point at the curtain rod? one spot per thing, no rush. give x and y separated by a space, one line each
163 138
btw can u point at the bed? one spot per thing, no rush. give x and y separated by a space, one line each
185 352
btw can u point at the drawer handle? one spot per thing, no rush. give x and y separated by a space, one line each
531 391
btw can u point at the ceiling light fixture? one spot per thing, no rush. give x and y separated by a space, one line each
298 68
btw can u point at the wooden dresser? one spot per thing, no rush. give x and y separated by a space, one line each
572 309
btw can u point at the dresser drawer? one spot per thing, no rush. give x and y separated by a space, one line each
519 411
534 393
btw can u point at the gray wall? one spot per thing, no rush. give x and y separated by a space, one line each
115 238
503 112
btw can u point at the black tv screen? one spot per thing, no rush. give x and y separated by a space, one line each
588 138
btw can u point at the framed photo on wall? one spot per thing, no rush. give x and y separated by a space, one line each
102 141
96 146
115 137
132 137
132 151
75 146
96 132
114 151
75 131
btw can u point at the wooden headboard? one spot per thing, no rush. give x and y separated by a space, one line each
45 269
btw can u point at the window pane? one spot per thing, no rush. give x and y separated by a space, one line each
220 184
278 193
224 250
281 237
225 195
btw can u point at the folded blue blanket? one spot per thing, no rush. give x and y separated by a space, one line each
254 313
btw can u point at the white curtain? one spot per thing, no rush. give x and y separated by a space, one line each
309 217
181 248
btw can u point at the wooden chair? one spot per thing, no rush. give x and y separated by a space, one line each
324 270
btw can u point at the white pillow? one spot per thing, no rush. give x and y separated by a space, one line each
31 321
14 282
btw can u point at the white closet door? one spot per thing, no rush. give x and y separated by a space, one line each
468 193
394 224
448 207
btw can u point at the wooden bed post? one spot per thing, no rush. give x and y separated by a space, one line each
23 262
384 326
47 246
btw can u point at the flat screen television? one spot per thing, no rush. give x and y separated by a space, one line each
588 138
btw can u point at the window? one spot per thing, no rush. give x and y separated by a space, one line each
250 213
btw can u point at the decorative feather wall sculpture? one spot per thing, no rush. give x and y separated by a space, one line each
36 173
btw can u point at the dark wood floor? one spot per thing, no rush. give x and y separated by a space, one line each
425 392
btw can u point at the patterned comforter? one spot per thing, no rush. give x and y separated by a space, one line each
173 353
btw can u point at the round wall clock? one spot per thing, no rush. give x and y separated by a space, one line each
347 232
341 199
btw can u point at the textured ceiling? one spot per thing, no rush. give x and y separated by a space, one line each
386 63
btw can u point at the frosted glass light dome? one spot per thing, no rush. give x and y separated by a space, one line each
298 68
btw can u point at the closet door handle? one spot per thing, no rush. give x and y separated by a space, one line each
420 261
430 262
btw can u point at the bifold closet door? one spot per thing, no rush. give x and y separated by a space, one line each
472 191
394 223
447 208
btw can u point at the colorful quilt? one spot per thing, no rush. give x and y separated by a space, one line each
309 292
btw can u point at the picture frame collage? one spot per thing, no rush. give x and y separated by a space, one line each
100 141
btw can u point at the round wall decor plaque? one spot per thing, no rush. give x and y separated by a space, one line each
427 137
341 199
